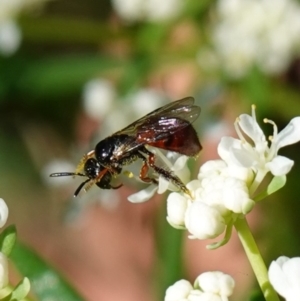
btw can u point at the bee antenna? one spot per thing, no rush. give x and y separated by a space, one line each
66 174
80 187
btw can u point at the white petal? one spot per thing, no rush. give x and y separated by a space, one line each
143 195
280 165
194 185
277 278
239 172
163 185
180 163
216 282
235 196
176 207
226 145
284 275
250 127
178 290
244 158
292 269
204 221
212 166
3 213
290 134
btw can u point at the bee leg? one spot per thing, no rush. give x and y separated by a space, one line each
144 170
168 175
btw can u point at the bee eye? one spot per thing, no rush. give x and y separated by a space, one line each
91 168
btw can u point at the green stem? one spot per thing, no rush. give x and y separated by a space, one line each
255 259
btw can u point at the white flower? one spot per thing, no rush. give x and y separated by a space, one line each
263 33
216 199
10 37
178 291
98 98
3 270
3 213
209 286
216 282
284 275
220 167
203 221
259 156
225 192
151 10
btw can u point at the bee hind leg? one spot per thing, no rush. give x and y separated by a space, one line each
168 175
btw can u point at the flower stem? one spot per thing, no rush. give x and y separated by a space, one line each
255 259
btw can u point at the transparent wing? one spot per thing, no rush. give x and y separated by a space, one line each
159 124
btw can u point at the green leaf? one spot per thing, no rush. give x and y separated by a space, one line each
6 298
276 184
46 283
21 290
8 239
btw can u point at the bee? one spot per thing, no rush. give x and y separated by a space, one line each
169 128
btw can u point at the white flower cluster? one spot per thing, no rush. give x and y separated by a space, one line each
10 33
284 275
217 199
264 33
215 286
224 188
151 10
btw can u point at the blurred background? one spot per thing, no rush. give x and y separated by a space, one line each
74 72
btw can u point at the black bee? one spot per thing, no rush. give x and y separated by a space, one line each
169 128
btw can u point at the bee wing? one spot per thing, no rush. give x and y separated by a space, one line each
182 109
159 124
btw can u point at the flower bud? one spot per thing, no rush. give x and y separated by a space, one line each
216 282
176 207
179 291
204 221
